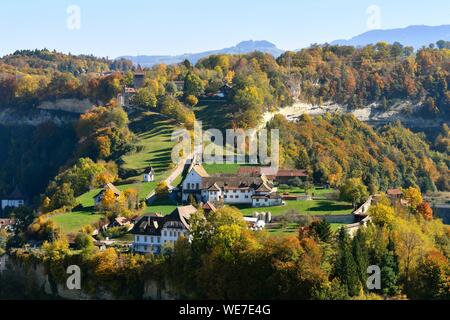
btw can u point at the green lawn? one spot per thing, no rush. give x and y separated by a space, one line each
318 191
315 208
143 188
162 206
72 222
154 146
221 168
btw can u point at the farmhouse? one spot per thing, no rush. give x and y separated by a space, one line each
15 200
280 176
257 191
99 196
284 176
152 232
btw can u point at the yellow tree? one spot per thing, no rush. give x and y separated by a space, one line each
410 245
413 196
382 214
109 200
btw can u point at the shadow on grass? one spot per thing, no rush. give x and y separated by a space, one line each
330 206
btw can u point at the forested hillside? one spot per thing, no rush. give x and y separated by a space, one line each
379 73
336 147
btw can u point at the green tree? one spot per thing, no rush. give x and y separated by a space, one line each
145 98
361 255
193 85
346 269
353 190
321 230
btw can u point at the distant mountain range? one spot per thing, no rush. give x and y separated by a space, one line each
415 36
241 48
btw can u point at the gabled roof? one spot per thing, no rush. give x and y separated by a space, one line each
264 188
292 173
121 220
214 187
150 224
209 206
183 215
111 187
200 171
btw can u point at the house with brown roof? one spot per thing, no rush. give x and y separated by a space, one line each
285 176
99 196
209 207
153 232
280 176
394 194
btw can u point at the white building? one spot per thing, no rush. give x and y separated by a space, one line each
152 233
257 191
14 200
193 182
149 176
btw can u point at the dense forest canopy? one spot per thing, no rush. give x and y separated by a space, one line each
379 73
336 147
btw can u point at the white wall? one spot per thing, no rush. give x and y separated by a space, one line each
148 244
238 197
191 182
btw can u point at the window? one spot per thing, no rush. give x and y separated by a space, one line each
145 239
225 196
138 238
246 197
151 239
235 191
198 186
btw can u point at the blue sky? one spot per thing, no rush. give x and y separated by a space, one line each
118 27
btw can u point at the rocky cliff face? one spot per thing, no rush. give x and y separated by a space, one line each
153 290
60 112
